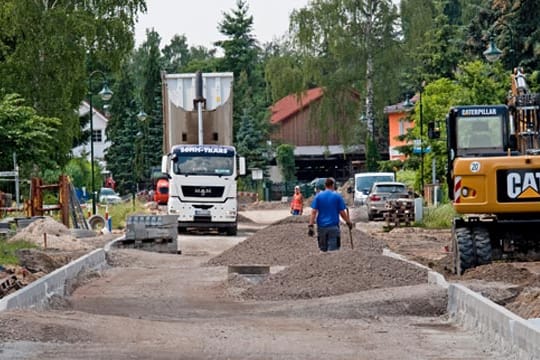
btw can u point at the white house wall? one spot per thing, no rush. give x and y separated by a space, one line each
99 123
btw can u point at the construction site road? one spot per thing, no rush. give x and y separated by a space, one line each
149 305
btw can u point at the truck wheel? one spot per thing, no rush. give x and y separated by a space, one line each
370 216
463 250
182 229
483 246
232 231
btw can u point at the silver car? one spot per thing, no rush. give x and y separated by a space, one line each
109 196
380 193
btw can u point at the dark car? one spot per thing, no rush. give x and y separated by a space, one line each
380 193
317 184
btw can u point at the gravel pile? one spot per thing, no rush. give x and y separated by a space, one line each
310 273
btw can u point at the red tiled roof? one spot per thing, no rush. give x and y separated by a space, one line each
291 104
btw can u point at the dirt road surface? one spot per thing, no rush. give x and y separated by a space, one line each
165 306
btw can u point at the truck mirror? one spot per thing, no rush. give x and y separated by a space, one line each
241 165
164 164
433 131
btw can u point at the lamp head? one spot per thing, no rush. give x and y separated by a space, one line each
105 93
142 115
492 53
407 104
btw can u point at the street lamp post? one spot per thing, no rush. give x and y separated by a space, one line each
493 53
421 142
141 116
105 95
408 105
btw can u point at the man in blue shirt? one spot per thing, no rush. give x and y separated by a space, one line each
326 207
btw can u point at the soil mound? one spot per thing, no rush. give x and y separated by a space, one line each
503 272
49 233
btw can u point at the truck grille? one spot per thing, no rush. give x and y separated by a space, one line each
203 191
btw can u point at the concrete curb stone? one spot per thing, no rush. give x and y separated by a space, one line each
37 294
474 311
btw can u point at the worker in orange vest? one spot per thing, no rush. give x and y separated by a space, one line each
297 203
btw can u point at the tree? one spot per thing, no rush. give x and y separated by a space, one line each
147 65
342 45
249 142
176 55
20 126
241 47
122 130
250 110
285 161
44 53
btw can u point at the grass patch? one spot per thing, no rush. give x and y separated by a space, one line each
440 217
119 212
7 251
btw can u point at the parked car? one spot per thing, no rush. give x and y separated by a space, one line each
161 194
109 196
317 184
380 193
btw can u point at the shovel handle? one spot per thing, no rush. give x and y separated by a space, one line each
350 231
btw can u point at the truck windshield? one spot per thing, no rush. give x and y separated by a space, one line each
479 132
203 164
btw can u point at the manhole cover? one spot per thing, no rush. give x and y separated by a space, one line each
249 269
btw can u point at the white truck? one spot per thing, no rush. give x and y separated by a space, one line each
200 161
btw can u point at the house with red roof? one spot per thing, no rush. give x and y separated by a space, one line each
292 123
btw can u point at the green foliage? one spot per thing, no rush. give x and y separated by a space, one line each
284 76
250 142
372 155
8 251
285 161
407 177
120 212
241 46
241 57
20 127
46 46
440 217
122 130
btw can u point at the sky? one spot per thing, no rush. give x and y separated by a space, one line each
199 19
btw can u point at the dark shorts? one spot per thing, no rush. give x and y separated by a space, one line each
328 238
295 212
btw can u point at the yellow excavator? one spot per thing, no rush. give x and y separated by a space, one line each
494 178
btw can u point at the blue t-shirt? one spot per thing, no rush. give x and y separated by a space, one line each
328 204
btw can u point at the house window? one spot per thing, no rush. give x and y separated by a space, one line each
97 135
401 127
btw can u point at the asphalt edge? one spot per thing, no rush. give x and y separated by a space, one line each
37 294
474 311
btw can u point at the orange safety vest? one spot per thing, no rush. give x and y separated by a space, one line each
297 202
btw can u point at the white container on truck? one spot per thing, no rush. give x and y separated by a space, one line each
203 175
364 181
